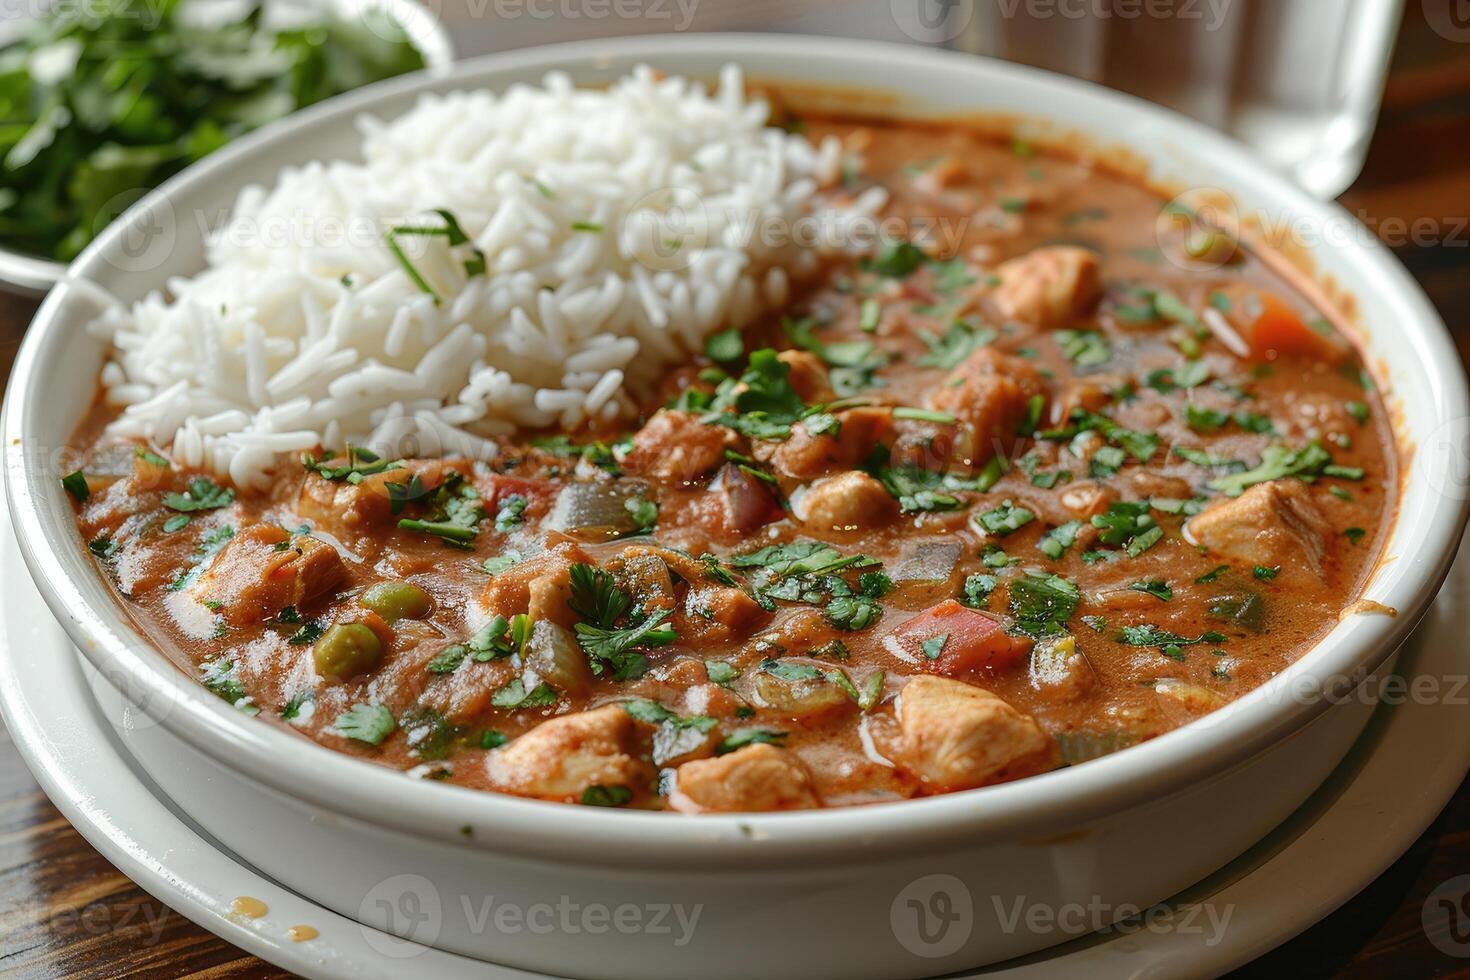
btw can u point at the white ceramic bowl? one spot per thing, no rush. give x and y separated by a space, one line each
33 275
897 890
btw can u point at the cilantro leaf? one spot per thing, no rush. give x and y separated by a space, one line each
1277 462
1004 519
513 695
957 343
75 483
749 736
1042 603
1129 525
614 648
203 494
370 723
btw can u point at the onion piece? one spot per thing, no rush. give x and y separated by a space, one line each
929 560
596 510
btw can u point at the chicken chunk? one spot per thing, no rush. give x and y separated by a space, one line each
350 510
539 586
562 758
990 394
847 502
1048 287
264 569
1271 524
807 376
676 447
755 778
957 736
805 456
717 614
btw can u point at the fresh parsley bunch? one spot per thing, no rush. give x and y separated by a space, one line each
106 99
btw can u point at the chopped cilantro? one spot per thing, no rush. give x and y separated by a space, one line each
644 513
292 709
1157 588
1042 603
725 347
597 795
1054 543
1004 519
1200 457
749 736
896 259
76 485
721 672
1203 419
977 590
370 723
446 661
1140 445
1084 348
308 634
513 696
954 345
934 645
1128 525
203 494
501 562
1278 462
509 513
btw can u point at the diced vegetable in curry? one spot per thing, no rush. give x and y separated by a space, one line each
970 510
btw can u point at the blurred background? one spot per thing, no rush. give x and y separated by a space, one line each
1298 79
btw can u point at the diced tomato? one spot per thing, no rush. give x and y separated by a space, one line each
1272 328
497 488
953 639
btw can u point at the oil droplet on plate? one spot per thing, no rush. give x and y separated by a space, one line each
250 908
301 934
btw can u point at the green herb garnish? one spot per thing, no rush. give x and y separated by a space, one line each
370 723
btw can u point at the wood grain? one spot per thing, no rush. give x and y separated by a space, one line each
66 912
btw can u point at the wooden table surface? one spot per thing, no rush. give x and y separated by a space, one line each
66 912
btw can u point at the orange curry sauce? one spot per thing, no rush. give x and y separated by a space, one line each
1040 489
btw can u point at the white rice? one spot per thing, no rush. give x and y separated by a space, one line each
305 330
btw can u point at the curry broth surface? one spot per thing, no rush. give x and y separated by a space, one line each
989 201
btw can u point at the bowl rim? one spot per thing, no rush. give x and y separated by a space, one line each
34 275
325 779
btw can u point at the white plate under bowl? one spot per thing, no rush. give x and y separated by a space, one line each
1372 808
778 893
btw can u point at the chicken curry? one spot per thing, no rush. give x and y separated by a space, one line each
966 511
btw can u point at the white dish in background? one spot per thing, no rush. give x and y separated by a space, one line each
343 833
33 275
1370 810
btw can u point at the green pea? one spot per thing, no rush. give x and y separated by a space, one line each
346 650
397 600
